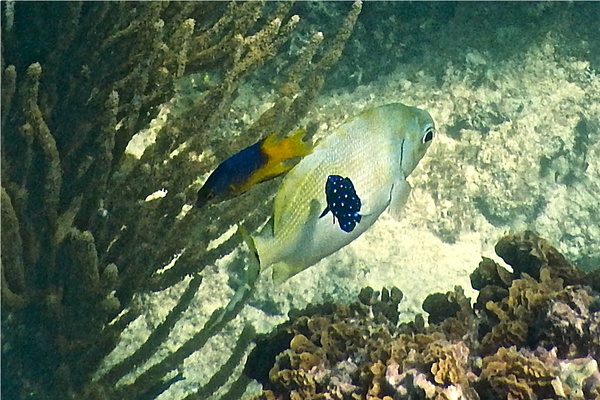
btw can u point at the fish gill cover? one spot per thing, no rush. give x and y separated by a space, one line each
111 289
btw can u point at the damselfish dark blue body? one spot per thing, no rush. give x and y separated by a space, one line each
342 201
264 160
231 175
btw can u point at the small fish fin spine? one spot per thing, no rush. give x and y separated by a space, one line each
399 196
251 244
276 153
325 211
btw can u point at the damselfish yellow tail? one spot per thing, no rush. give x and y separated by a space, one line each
277 153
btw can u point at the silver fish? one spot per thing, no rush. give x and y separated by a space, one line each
376 150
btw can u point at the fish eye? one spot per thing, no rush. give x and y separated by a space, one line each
429 132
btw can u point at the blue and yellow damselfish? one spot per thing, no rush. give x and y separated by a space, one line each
260 162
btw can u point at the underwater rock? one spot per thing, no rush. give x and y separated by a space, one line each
326 347
533 333
528 253
581 377
439 308
519 374
552 310
490 274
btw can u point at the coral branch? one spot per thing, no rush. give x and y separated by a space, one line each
13 269
52 179
157 337
9 86
87 227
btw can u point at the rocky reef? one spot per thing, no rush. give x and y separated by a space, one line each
533 332
112 288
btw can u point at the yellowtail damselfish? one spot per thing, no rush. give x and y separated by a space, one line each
260 162
356 172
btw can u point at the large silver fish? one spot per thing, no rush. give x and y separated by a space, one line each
356 172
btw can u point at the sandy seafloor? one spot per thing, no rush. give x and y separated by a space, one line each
517 147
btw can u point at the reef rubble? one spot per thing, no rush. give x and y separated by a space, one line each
533 332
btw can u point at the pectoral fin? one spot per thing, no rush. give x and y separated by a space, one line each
399 197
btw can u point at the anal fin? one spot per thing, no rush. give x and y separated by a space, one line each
283 271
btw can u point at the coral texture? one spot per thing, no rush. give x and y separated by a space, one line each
535 335
88 228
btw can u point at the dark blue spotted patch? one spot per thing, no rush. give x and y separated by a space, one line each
342 201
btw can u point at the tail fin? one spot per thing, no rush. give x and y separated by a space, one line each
279 151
